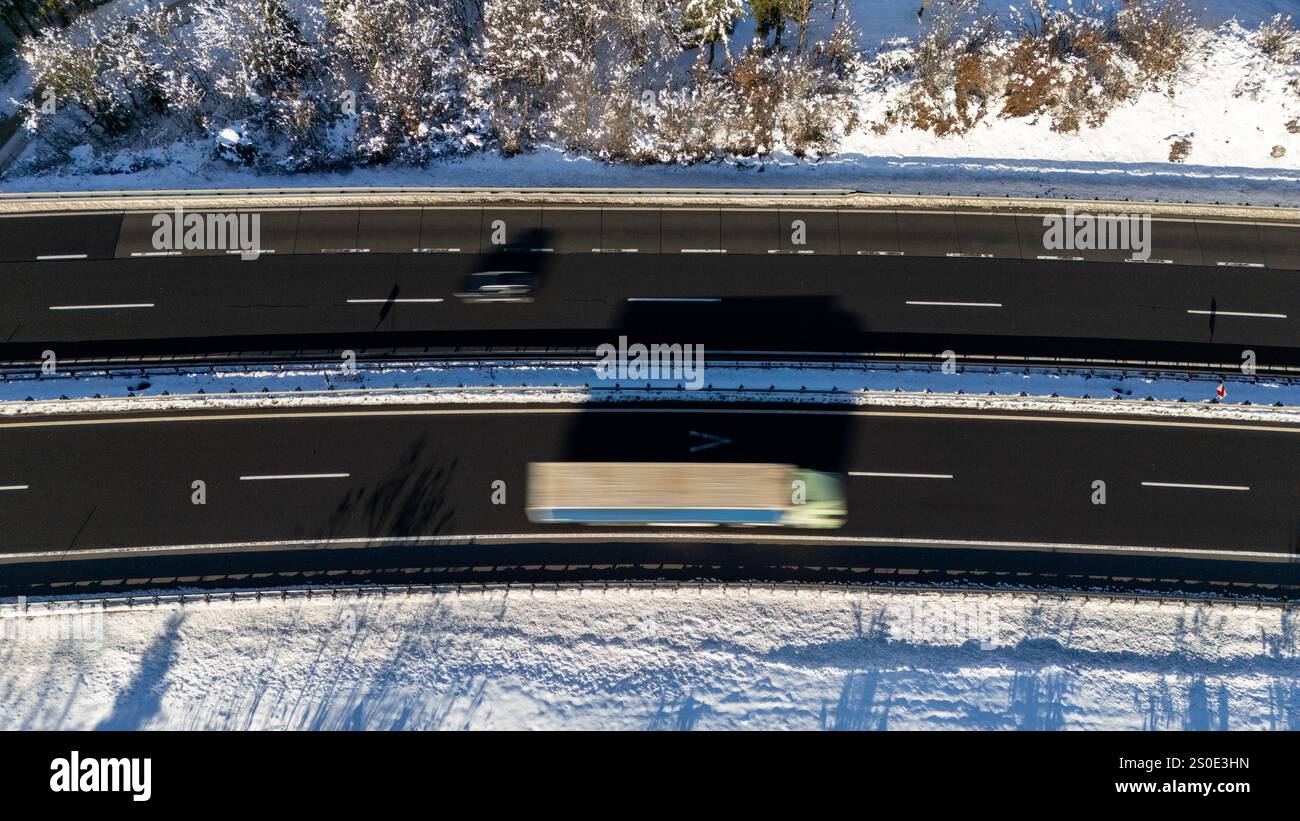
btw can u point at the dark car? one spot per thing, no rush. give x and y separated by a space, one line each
498 286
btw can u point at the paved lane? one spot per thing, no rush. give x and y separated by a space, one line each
946 479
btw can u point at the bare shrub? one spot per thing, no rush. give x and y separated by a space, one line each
1158 35
954 30
1278 38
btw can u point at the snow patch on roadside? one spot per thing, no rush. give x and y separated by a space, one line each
569 382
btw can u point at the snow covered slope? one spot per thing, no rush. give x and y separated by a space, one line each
1230 117
661 659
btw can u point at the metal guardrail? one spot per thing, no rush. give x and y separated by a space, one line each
55 605
145 365
1002 200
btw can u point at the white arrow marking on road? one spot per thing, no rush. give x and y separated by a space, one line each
715 441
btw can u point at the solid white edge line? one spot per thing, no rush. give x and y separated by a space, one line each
101 307
13 487
1195 487
1237 313
1082 419
61 256
882 474
590 536
294 476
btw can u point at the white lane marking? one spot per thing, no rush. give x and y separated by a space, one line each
61 256
469 538
295 476
673 299
1060 259
1195 487
13 487
1244 427
1238 313
1240 264
882 474
386 301
155 253
101 307
704 250
956 304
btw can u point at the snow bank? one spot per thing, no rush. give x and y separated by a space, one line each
658 659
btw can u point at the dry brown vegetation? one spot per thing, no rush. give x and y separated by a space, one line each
1070 67
1278 38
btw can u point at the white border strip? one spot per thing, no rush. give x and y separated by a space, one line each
864 541
236 415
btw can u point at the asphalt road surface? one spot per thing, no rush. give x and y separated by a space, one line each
651 230
791 303
349 477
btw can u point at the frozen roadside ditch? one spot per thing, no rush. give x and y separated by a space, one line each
569 381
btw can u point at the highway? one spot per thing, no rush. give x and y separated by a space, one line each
728 278
372 493
795 303
99 486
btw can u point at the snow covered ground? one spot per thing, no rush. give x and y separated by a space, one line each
659 659
1232 103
